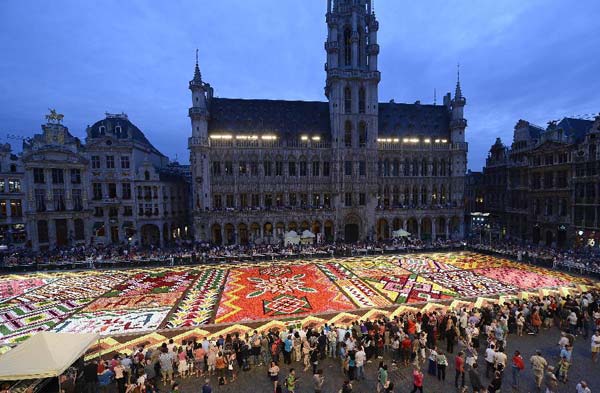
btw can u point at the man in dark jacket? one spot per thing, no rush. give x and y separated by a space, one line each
90 377
475 379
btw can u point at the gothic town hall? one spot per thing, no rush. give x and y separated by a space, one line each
347 168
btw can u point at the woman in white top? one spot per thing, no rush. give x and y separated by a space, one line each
595 346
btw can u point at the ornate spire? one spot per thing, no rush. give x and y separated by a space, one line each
197 75
458 92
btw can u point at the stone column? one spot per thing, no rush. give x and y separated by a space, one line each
419 224
447 228
433 231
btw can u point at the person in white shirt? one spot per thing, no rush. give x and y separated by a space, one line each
564 340
500 360
490 356
582 387
595 346
359 358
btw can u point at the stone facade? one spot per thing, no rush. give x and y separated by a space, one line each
56 178
12 198
136 196
115 188
348 169
544 188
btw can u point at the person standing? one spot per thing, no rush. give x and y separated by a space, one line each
290 381
442 363
459 366
417 381
90 377
360 358
475 379
538 365
318 381
490 355
496 385
595 345
582 387
274 374
206 388
382 377
518 364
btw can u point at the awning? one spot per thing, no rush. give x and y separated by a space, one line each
44 355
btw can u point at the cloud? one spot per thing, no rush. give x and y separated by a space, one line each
534 60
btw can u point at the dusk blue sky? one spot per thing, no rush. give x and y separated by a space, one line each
536 60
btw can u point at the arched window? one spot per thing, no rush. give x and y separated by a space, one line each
415 169
347 100
423 195
347 46
443 168
424 167
386 196
434 168
434 195
386 168
146 175
361 100
415 196
348 134
406 196
396 196
362 134
406 167
443 194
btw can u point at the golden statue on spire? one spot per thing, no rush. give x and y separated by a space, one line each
54 117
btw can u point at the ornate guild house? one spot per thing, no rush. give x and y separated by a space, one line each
349 168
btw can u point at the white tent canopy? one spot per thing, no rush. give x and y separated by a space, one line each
307 234
291 237
44 355
400 233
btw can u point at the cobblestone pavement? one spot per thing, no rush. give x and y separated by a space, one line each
256 379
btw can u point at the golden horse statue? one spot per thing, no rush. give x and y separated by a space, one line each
54 116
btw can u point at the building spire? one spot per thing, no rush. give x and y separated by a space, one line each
197 74
458 92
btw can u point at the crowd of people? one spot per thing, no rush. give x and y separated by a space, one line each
581 260
189 253
476 344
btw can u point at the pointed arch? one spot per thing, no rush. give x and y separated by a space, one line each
348 133
362 134
347 99
347 46
362 100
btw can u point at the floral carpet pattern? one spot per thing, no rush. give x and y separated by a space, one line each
143 300
255 293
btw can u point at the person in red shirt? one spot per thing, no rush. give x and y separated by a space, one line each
417 381
517 366
459 366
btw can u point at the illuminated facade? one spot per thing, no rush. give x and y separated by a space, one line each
349 168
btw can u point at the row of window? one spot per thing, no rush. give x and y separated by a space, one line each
271 200
270 168
145 209
14 185
548 206
58 200
111 190
109 162
15 206
60 226
385 168
57 175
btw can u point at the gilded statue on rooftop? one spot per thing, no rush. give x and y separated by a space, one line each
54 117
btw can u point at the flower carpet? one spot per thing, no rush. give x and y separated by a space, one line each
139 301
